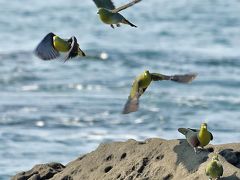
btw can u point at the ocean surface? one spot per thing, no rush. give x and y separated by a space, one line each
56 111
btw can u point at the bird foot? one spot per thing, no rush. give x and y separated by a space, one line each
118 25
112 26
196 150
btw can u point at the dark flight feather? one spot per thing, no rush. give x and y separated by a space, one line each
107 4
45 49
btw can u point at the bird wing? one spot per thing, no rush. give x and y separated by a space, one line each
73 51
208 169
125 6
220 169
186 78
211 136
45 49
107 4
194 130
191 136
183 130
159 77
132 103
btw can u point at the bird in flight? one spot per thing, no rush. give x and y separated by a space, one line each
141 83
51 46
110 15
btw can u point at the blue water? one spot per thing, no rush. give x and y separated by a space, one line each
55 111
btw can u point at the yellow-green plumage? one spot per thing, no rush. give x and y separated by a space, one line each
141 83
60 44
145 79
107 16
214 169
204 135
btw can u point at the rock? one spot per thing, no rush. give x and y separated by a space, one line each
154 159
231 156
40 172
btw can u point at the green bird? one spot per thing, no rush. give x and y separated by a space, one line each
197 137
141 83
214 169
109 14
51 46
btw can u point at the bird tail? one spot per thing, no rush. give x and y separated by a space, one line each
186 78
81 53
131 105
73 51
127 22
183 130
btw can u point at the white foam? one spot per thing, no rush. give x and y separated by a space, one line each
33 87
103 56
40 123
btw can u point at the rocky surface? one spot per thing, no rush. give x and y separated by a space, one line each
154 159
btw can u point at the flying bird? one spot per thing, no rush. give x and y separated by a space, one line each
197 137
109 14
51 46
141 83
214 169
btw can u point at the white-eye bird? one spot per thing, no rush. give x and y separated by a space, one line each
141 83
109 14
51 46
214 169
197 137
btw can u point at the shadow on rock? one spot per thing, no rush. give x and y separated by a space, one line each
187 156
233 157
232 177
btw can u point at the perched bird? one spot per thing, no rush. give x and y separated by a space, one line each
51 46
141 83
214 169
197 137
109 14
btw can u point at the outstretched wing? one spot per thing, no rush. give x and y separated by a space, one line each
125 6
132 103
45 49
159 77
186 78
191 136
194 130
107 4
